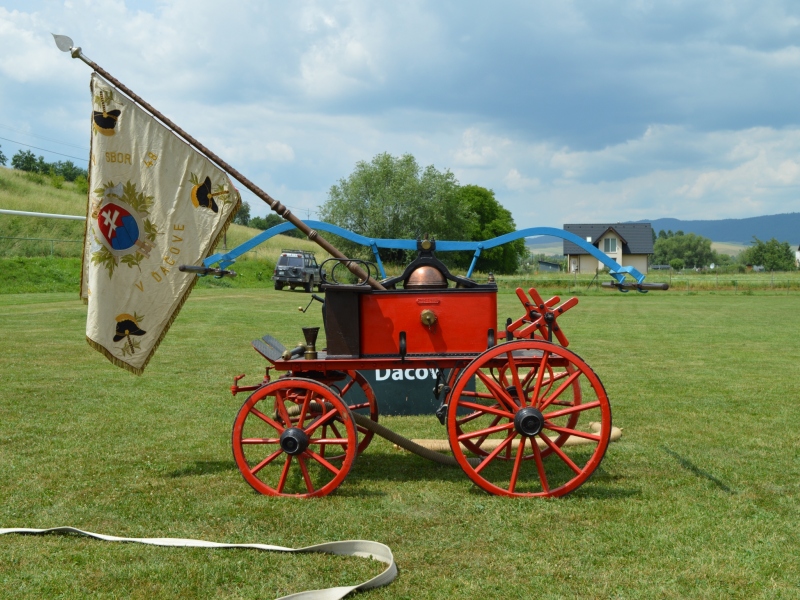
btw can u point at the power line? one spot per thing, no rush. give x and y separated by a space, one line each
43 138
45 150
295 209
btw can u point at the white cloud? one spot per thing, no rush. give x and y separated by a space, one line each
514 180
477 149
569 111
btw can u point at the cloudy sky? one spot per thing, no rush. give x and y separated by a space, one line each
571 111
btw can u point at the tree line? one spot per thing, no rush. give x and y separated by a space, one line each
680 250
58 172
25 160
394 197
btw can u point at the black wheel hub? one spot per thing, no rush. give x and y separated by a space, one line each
528 421
294 441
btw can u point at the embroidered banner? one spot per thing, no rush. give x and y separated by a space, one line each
154 203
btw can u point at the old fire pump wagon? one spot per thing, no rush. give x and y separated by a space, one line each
524 415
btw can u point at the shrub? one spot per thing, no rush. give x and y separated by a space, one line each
57 181
81 185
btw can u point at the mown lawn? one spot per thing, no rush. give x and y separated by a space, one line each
698 499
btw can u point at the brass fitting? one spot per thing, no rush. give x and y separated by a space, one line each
428 317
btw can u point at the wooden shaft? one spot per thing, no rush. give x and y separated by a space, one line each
276 206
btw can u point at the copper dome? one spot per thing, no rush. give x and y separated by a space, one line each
426 278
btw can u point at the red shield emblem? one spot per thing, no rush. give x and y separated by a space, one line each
118 226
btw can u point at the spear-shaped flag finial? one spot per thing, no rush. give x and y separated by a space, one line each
65 44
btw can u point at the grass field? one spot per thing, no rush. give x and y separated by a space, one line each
698 499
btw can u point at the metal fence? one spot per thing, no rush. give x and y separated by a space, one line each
30 246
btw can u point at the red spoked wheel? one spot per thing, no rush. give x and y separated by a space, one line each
357 394
294 437
535 434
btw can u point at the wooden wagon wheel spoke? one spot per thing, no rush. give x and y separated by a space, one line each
323 420
260 440
486 409
284 473
564 385
537 455
537 388
472 416
321 460
335 431
493 454
517 464
310 411
328 441
304 407
485 432
267 420
346 388
471 394
512 366
560 453
479 443
499 393
359 397
281 409
571 410
266 461
518 458
306 476
581 434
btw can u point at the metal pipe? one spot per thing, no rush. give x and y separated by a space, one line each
23 213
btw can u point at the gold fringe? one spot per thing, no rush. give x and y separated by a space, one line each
114 360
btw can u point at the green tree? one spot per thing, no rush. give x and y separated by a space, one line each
2 157
67 170
721 259
490 220
25 160
243 214
271 220
694 250
676 263
772 255
393 197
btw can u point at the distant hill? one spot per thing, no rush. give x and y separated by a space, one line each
784 228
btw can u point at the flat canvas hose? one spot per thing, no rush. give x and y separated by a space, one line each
359 548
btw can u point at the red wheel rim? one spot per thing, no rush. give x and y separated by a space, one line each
525 431
284 431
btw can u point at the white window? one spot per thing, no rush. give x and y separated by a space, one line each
610 245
